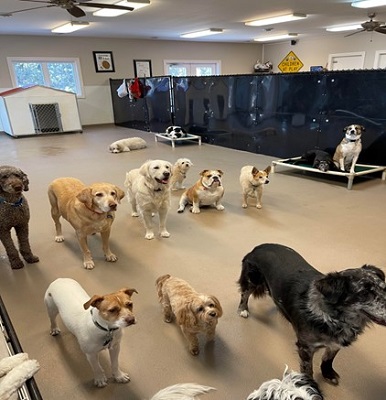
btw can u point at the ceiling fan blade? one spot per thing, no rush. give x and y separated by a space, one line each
76 12
101 5
354 33
39 1
10 13
381 29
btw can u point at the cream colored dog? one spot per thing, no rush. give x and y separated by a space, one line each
208 190
148 190
179 171
89 209
134 143
96 329
252 182
194 312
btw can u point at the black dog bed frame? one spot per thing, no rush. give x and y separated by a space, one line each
360 169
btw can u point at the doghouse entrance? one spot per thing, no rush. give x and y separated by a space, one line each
46 118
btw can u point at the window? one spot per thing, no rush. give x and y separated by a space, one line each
58 73
191 68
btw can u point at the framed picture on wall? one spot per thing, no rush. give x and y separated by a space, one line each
142 68
103 61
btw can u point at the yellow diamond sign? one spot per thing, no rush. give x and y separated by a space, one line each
290 63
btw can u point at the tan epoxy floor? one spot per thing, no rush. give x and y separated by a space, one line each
332 227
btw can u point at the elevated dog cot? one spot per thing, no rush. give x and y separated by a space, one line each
360 169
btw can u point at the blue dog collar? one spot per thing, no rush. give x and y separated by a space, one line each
18 203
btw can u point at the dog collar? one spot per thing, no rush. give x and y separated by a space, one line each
110 332
96 212
352 140
18 203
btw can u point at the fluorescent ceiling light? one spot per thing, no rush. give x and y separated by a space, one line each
70 27
108 12
368 3
276 37
276 20
344 28
206 32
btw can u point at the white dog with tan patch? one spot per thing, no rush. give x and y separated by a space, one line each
148 190
252 182
207 191
347 152
89 209
96 328
179 171
128 144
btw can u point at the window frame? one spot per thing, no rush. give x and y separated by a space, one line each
46 60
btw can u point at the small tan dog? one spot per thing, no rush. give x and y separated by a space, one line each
348 150
97 329
128 144
194 312
148 190
89 209
179 171
208 190
252 182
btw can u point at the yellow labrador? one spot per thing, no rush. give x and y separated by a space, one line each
89 209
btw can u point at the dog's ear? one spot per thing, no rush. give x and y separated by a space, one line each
217 304
144 169
268 169
254 171
375 270
363 129
129 292
85 196
220 172
346 128
25 180
120 194
203 172
186 315
93 302
333 287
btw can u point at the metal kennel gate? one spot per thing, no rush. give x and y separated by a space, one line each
46 118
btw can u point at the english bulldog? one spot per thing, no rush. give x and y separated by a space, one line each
207 191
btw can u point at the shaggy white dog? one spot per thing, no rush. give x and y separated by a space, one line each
134 143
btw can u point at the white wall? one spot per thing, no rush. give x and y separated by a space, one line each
316 52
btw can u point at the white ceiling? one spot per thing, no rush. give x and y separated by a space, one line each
168 19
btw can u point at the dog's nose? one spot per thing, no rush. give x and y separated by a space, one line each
213 314
18 188
267 181
166 174
113 206
130 320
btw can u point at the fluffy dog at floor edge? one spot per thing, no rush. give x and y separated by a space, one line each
179 171
195 313
326 310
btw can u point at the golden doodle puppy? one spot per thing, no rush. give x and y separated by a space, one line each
195 313
179 171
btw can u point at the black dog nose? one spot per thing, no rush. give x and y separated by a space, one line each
166 174
212 314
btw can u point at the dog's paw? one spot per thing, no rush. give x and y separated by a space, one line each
134 214
165 234
111 257
195 210
259 206
89 264
244 205
100 381
244 313
17 264
121 377
54 331
59 239
220 207
181 209
149 235
30 259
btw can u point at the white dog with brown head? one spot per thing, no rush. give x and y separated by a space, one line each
148 190
95 321
194 312
252 182
179 171
207 191
348 150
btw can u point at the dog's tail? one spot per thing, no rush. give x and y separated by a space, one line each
252 279
159 283
186 391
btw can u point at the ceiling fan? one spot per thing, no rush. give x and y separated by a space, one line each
371 26
72 6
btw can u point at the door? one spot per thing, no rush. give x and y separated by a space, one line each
344 61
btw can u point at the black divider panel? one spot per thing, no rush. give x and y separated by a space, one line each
151 113
282 115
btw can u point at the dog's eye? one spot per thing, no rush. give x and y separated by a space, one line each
211 305
112 193
209 176
129 305
99 194
156 167
200 309
113 310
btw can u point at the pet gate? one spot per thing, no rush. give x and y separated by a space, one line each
46 118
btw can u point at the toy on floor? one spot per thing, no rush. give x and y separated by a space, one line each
14 371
